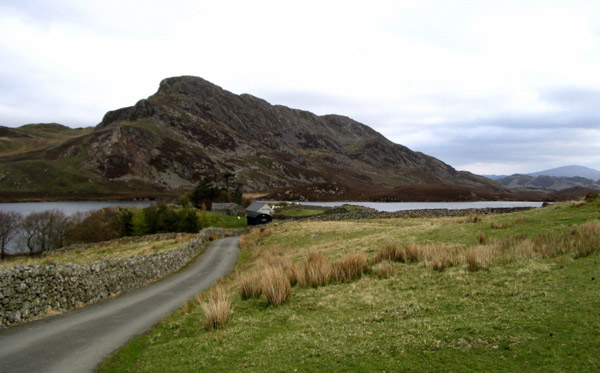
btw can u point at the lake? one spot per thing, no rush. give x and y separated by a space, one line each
68 207
403 206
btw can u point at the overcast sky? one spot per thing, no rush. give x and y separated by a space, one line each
486 86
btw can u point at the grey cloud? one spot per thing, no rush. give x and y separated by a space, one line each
573 97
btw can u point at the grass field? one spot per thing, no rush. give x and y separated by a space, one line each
105 250
302 212
532 306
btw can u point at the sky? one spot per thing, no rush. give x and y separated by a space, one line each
491 87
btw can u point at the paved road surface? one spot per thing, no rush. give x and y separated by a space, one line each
79 340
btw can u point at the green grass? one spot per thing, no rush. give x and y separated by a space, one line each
104 250
212 219
528 315
302 212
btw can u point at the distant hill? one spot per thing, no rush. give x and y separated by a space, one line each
570 171
192 129
31 137
494 177
547 183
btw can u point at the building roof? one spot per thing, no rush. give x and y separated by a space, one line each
224 206
255 206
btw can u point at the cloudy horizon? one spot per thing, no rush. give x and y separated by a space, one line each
491 87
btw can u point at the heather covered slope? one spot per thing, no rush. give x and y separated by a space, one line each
190 129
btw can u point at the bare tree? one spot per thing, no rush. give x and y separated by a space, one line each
45 230
9 222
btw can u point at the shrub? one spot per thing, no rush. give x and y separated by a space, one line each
216 308
350 268
275 286
591 196
99 225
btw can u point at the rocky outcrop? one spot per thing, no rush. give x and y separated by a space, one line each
28 292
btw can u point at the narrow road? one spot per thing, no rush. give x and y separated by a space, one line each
79 340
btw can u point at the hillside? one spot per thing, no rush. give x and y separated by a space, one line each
190 129
547 183
31 137
570 171
510 293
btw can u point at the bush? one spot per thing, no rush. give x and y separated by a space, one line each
100 225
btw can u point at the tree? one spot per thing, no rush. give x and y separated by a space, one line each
9 221
45 230
188 221
205 192
100 225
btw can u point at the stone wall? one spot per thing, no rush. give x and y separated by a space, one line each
28 292
374 214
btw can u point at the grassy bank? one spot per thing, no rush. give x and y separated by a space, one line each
531 304
121 248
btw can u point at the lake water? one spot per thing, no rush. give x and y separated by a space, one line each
69 208
403 206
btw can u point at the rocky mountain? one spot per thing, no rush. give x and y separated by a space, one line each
547 183
190 129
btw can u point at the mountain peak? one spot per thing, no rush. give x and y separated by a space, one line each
187 85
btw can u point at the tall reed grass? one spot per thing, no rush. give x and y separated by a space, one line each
216 307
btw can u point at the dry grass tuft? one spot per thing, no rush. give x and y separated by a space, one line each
275 286
297 274
413 252
216 308
483 238
471 218
384 269
392 252
350 268
497 225
317 269
249 285
478 257
185 307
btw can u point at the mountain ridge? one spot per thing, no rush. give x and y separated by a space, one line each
192 129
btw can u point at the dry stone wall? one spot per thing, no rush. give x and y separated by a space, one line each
374 214
28 292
